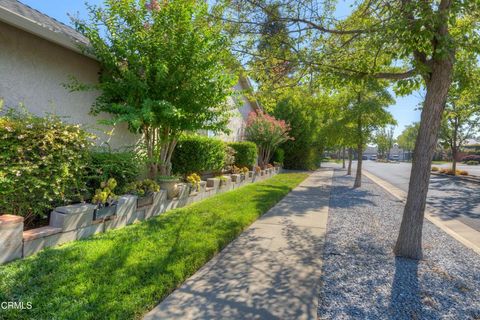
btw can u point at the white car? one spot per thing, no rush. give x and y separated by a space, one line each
374 157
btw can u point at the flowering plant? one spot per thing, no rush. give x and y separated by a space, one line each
267 133
194 179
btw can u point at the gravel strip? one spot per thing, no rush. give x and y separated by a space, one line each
361 277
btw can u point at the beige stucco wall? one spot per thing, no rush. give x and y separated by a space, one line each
241 110
32 71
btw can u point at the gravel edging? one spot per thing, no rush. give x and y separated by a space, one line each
361 278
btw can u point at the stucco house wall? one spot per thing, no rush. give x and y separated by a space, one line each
33 71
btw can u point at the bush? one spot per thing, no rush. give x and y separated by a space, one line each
435 169
198 154
472 163
42 163
472 157
104 164
279 156
246 153
462 172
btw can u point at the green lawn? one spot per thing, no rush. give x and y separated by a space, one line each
124 273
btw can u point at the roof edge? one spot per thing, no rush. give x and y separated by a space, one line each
32 27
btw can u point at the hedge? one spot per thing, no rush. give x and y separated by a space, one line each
246 153
42 163
123 166
198 154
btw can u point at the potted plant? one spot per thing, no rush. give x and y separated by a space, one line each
170 184
194 182
144 190
105 200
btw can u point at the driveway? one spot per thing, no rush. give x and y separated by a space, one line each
451 198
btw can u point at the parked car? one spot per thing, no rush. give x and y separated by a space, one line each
394 157
364 157
374 157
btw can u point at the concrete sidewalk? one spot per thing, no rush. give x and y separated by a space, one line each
271 271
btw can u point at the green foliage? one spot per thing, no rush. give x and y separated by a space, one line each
42 164
143 187
406 140
135 267
198 154
304 116
194 179
163 71
279 156
384 140
124 167
246 153
105 195
267 133
472 163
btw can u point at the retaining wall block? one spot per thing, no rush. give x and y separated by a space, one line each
11 237
72 217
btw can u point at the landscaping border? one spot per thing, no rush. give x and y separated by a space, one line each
75 222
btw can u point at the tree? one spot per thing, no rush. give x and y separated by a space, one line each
365 112
413 43
406 140
267 133
384 141
304 113
462 111
162 71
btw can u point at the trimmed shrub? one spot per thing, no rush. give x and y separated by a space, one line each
279 156
246 153
198 154
435 169
42 163
462 172
472 163
104 164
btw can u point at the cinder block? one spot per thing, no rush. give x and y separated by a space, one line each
159 204
126 205
116 222
213 183
90 230
72 217
37 239
183 191
235 177
11 237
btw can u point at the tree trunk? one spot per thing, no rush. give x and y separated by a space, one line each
343 157
358 176
349 170
409 242
454 160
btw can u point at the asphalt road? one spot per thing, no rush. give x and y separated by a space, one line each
451 198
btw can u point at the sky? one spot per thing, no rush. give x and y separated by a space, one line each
404 110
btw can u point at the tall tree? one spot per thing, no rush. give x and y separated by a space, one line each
462 111
384 141
406 140
162 71
413 43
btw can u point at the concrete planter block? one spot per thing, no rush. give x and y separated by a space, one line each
183 191
203 185
137 216
236 178
126 205
72 217
262 172
116 222
90 230
250 174
37 239
11 237
159 204
213 183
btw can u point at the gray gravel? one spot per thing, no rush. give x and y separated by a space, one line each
361 277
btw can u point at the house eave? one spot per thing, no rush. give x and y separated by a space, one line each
32 27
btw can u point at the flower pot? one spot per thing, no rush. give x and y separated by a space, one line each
170 186
145 201
105 212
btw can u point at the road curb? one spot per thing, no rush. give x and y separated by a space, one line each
467 178
469 237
